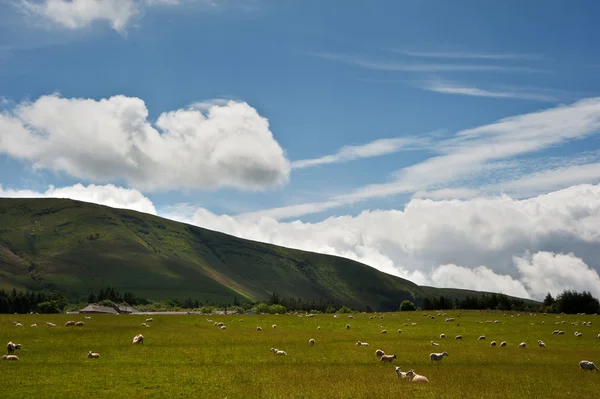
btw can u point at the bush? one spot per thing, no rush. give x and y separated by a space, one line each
49 307
277 309
207 309
344 309
407 306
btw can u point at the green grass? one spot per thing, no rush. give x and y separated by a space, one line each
185 356
78 247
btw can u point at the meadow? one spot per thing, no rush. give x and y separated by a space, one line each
186 356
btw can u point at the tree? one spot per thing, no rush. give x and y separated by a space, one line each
548 301
407 306
92 298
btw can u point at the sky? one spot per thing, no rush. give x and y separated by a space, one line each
455 144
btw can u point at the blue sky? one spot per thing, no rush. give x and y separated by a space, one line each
384 106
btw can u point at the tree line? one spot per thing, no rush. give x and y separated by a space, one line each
29 301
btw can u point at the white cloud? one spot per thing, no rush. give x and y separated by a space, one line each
428 241
545 272
471 152
109 195
470 55
384 65
480 278
77 14
373 149
450 88
111 139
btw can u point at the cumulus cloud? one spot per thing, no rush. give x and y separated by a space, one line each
109 140
475 240
109 195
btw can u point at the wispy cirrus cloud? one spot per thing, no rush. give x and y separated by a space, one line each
386 65
439 86
471 55
373 149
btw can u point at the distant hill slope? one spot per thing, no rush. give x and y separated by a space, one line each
78 247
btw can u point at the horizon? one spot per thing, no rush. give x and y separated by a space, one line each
452 145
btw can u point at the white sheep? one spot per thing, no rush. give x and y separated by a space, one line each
278 352
88 317
33 325
587 365
351 317
384 331
9 357
50 324
555 332
362 343
503 343
387 358
93 355
437 357
522 345
274 326
379 353
149 320
399 331
11 347
69 323
458 337
401 375
434 343
481 338
493 343
79 324
18 325
223 327
258 328
347 326
578 334
311 342
318 327
144 325
138 339
412 376
442 336
541 343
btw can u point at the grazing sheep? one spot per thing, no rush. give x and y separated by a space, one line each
9 357
18 325
442 336
220 324
347 326
434 343
274 326
493 343
598 335
387 358
503 343
561 333
138 339
401 375
384 331
258 328
10 347
458 337
578 334
93 355
311 342
149 320
50 324
79 324
555 332
379 353
399 331
412 376
88 317
481 337
144 325
278 352
587 365
522 345
437 357
362 343
351 317
318 327
541 343
450 319
69 323
223 327
34 325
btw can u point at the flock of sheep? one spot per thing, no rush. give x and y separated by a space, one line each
380 354
11 347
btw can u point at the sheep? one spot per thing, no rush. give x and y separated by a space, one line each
442 336
578 334
399 331
33 325
458 337
555 332
9 357
437 357
362 343
379 353
450 319
88 317
138 339
219 324
434 344
79 324
541 343
493 343
347 326
503 343
10 347
18 325
522 345
278 352
149 320
223 327
50 324
311 342
387 358
93 355
598 335
561 333
351 317
384 331
258 328
481 338
412 376
401 375
144 325
274 326
587 365
69 323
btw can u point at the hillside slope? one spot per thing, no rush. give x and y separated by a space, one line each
78 247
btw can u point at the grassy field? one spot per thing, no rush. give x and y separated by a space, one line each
186 356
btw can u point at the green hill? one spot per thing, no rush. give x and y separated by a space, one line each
78 247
